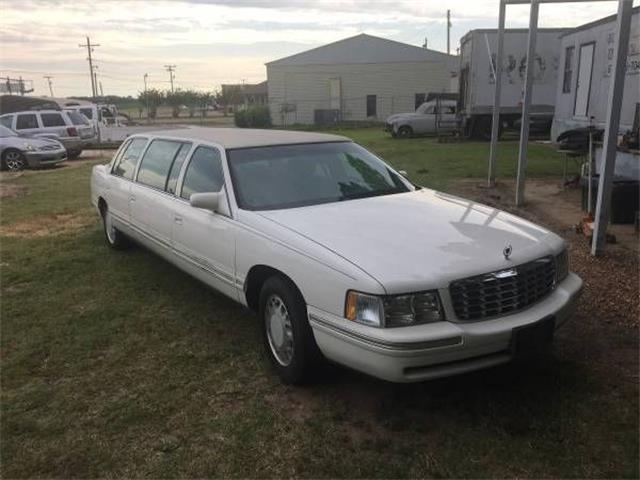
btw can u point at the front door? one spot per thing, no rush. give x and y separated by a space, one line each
202 238
583 87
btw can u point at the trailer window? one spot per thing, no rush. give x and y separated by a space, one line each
568 69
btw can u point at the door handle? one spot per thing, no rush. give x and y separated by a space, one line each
177 219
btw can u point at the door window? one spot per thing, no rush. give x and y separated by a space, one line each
52 120
26 120
127 163
172 181
419 100
204 173
7 121
156 163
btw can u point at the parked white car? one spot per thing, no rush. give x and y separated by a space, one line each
342 257
426 120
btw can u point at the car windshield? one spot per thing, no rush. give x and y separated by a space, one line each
77 118
271 178
7 132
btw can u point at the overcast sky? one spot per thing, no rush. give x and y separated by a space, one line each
224 41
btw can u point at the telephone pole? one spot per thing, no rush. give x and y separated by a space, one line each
101 92
89 46
448 32
49 77
170 69
146 96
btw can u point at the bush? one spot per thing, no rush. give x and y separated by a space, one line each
253 117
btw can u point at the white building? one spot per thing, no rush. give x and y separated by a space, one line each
586 64
356 79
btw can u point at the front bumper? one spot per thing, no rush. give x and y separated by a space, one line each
41 158
434 350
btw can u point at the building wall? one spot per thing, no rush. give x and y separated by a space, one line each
305 88
603 36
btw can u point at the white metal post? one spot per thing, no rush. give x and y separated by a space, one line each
495 122
528 90
612 123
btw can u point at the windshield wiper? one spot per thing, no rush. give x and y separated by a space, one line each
371 193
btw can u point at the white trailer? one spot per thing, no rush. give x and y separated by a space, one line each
477 79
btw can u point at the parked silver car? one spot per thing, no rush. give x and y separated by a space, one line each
425 120
18 152
55 124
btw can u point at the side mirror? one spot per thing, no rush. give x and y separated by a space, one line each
208 201
404 174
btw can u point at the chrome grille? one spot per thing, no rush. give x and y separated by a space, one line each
502 292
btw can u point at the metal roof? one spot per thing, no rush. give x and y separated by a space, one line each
244 137
363 48
601 21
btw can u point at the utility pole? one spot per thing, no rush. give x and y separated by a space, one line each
146 97
89 46
448 32
170 69
101 92
49 77
95 79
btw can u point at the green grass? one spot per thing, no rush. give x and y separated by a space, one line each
116 364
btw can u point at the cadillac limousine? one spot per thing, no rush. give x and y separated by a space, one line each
339 254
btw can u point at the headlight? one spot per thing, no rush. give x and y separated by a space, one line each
562 265
393 310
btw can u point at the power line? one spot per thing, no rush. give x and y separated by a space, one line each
49 77
170 69
89 48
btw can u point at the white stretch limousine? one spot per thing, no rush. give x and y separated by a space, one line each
342 257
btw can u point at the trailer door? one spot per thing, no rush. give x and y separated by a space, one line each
583 87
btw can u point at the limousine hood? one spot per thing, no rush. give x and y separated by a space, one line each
421 239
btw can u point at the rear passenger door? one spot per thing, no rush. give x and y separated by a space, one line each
121 179
152 195
205 239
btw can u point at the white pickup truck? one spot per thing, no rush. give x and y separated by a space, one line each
339 254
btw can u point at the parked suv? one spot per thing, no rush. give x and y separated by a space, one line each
55 124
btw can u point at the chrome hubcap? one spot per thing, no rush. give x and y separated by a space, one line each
14 161
279 330
109 228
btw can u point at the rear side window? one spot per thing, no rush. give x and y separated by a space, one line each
27 120
204 173
87 112
156 163
77 118
52 120
127 163
172 181
7 121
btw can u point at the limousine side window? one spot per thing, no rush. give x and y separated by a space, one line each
129 159
157 161
204 173
172 181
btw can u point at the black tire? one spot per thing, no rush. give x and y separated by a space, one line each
278 338
114 237
13 160
405 132
73 154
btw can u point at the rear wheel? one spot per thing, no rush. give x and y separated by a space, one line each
13 160
288 339
115 238
405 131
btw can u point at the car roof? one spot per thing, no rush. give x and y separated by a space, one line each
244 137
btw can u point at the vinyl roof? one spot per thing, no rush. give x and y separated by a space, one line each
362 48
244 137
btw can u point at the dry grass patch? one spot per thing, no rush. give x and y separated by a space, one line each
11 190
50 225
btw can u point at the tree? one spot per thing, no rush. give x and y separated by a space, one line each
175 100
151 99
229 95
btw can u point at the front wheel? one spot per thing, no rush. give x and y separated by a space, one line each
73 154
115 238
287 335
405 132
13 160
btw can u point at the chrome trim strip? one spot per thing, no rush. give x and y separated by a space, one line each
394 346
196 261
